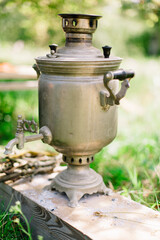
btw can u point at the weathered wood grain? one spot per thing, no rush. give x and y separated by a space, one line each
42 222
17 75
12 86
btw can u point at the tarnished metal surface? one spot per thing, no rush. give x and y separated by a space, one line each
69 87
69 105
74 105
121 75
71 109
76 181
29 126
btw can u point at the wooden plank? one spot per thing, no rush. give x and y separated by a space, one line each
99 217
13 86
42 222
16 75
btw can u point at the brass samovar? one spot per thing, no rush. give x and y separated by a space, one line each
78 98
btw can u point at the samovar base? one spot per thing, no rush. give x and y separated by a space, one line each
77 181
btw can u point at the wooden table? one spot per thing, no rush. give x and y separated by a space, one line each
98 217
19 73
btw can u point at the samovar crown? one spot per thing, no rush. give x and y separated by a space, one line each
79 23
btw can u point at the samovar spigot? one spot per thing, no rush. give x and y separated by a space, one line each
20 139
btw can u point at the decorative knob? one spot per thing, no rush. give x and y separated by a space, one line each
106 51
53 48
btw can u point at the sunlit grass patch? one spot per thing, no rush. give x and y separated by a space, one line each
133 168
10 227
14 224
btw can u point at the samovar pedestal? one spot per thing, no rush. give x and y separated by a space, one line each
78 180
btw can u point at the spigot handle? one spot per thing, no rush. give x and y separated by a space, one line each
26 125
30 126
121 75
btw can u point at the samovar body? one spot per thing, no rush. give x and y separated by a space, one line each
70 106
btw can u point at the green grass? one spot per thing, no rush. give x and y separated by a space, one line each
14 225
133 168
12 104
131 163
11 227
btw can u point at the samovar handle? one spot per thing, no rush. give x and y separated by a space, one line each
121 75
36 68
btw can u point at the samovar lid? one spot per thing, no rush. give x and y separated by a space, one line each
78 47
79 15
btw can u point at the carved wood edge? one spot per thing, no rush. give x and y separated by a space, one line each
42 222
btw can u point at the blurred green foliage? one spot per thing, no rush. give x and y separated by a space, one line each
131 27
133 169
149 12
12 104
131 23
131 163
32 19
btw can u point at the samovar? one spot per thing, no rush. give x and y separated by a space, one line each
78 98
